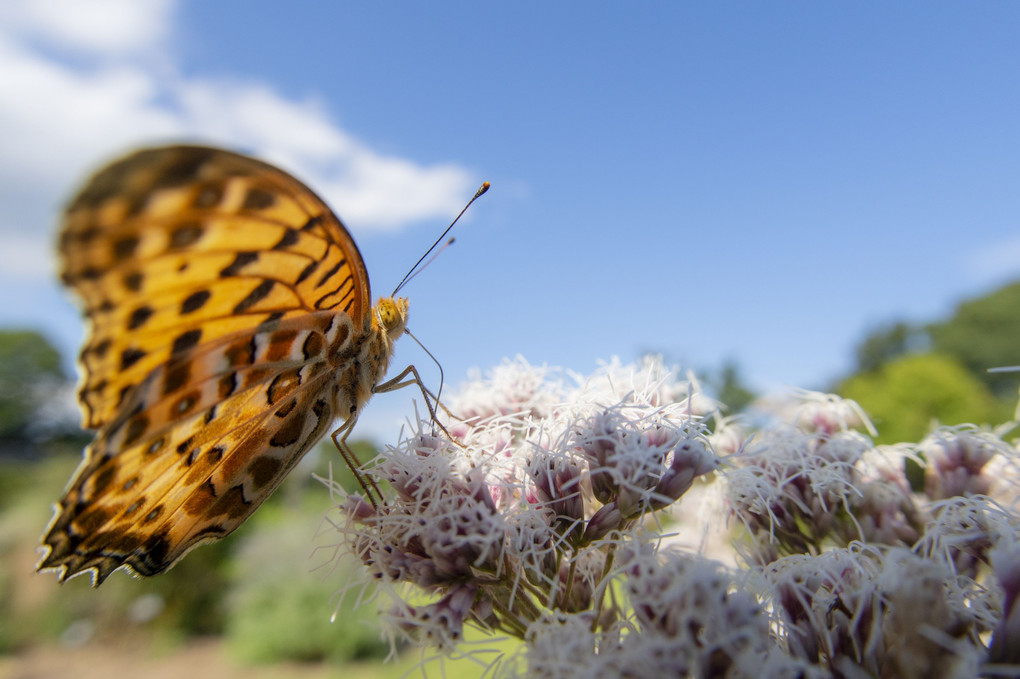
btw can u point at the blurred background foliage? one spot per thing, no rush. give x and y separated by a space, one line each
266 591
269 590
911 375
30 379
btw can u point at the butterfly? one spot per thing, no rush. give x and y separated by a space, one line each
230 325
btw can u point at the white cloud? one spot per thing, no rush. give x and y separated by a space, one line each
393 190
27 257
57 121
78 86
253 113
98 26
365 187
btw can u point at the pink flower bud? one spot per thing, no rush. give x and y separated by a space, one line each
691 459
606 519
956 461
558 484
1005 646
598 447
440 623
358 509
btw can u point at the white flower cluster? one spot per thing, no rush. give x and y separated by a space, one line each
868 574
541 509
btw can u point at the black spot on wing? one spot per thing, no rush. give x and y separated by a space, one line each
242 352
185 235
209 196
260 292
130 356
313 345
242 260
187 340
99 349
258 199
286 409
133 281
139 316
177 375
154 556
271 322
227 385
326 276
263 470
195 301
89 273
137 204
184 445
135 429
290 237
85 393
184 169
331 299
124 248
186 402
102 480
155 446
86 235
290 431
307 271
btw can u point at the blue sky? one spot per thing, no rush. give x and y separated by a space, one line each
762 182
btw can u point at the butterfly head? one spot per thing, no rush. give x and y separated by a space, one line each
390 316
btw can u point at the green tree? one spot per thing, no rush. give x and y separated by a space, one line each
730 387
886 343
984 333
906 395
29 374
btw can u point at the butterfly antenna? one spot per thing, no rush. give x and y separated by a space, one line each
415 269
411 276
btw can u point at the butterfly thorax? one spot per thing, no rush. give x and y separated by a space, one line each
360 374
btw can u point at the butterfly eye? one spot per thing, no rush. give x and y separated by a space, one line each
389 315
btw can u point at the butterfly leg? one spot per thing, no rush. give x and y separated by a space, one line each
401 381
340 435
366 482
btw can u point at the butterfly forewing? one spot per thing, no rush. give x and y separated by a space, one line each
171 247
230 324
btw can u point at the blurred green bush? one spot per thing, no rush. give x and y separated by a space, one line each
256 586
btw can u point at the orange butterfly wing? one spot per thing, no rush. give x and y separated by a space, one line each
230 324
